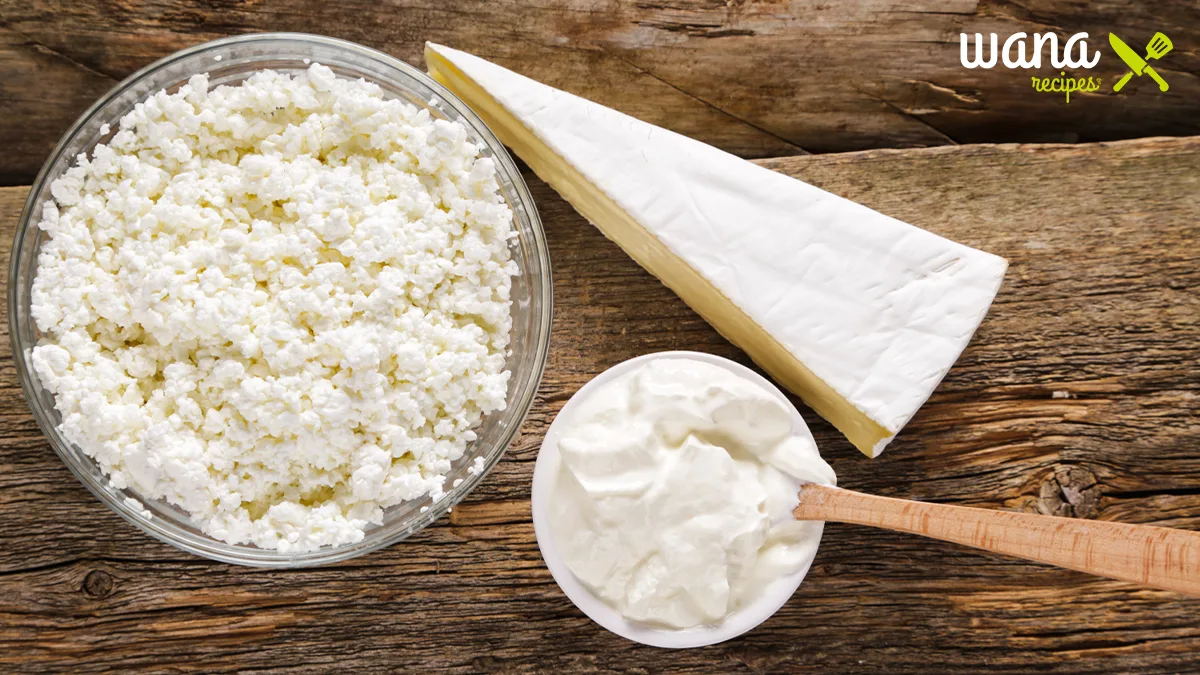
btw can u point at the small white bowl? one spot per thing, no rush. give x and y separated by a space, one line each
546 471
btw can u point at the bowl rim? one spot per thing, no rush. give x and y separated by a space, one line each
524 212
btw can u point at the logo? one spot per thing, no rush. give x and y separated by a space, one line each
1077 43
1157 48
1021 51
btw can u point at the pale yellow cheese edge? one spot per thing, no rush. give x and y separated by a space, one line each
649 252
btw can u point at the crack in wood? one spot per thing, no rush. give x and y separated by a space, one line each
47 50
707 104
697 29
914 116
1071 492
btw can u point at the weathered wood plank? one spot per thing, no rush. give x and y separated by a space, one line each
760 79
1100 302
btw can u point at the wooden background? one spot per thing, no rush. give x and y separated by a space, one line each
1079 395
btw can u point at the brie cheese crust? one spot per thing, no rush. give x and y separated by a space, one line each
860 314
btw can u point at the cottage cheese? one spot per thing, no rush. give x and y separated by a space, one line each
282 306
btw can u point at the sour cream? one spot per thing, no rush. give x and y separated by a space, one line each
672 502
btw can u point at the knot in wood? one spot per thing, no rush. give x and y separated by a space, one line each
98 584
1072 492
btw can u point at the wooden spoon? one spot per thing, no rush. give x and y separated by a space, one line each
1161 557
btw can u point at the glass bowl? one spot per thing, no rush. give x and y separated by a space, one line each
228 61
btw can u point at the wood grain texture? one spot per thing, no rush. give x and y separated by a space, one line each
759 78
1079 396
1147 555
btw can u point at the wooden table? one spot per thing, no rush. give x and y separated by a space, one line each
1079 395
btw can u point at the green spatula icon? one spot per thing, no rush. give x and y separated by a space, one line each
1157 48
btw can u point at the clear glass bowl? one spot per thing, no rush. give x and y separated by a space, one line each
229 61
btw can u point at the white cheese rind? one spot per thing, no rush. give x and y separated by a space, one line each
873 308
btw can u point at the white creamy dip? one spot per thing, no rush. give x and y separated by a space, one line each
673 502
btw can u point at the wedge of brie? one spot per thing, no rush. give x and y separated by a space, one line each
858 313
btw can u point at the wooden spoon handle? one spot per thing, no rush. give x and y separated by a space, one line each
1154 556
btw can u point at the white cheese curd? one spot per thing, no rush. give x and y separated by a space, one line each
674 499
282 305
